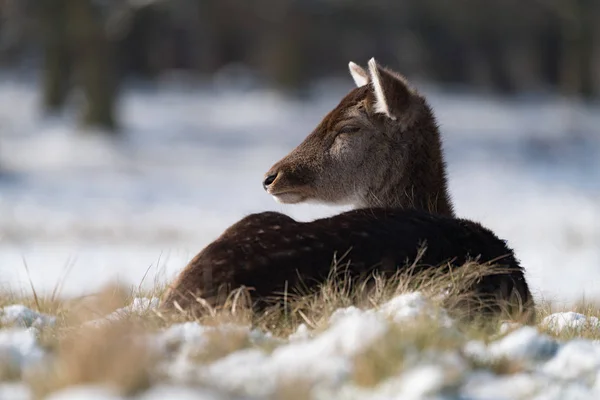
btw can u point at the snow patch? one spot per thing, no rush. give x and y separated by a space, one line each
525 344
85 392
571 321
15 391
410 306
19 347
422 381
19 315
578 358
302 333
485 385
194 334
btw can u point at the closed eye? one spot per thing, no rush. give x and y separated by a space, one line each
348 130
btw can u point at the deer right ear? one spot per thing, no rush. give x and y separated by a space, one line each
390 95
360 76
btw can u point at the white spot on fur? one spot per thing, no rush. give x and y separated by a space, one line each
381 105
360 76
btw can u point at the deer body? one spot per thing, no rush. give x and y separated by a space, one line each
270 253
379 150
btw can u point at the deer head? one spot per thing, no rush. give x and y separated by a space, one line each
379 147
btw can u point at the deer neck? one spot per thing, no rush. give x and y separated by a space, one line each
421 183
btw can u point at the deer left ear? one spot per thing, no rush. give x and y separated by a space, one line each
391 94
360 76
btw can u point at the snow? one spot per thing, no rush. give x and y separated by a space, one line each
19 315
410 306
570 321
422 381
525 344
14 391
88 393
486 386
576 359
19 348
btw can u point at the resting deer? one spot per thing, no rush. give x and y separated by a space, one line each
379 150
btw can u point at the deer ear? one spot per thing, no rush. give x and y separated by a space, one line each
391 95
360 76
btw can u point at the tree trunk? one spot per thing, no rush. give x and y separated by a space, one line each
56 72
570 53
94 64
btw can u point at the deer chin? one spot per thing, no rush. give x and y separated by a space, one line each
289 197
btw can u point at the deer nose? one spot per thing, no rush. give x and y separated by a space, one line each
269 179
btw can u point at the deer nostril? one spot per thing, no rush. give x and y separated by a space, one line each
269 179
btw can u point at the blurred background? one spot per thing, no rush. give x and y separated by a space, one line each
133 132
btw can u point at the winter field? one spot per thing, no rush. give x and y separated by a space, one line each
79 211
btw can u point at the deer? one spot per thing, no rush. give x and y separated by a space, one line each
379 150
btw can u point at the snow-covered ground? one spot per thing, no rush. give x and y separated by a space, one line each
193 156
359 354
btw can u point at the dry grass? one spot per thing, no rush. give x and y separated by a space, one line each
83 353
449 288
9 372
388 356
499 366
293 389
109 354
220 344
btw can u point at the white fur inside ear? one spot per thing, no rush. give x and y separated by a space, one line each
381 104
358 74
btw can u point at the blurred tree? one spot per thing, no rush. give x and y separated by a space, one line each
594 65
282 45
56 56
93 63
570 17
76 47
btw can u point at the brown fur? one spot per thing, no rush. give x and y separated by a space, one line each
385 163
269 252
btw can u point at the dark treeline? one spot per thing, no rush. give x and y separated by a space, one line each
505 46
